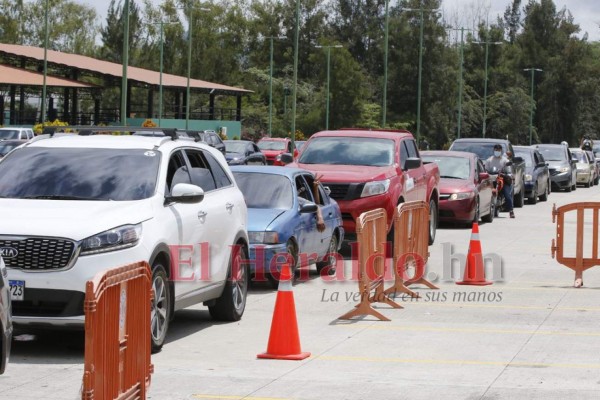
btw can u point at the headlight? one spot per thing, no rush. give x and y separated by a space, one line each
263 237
375 188
3 270
462 196
115 239
564 169
528 177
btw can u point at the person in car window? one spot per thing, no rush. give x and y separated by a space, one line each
499 164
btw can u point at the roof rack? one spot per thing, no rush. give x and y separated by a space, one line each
86 130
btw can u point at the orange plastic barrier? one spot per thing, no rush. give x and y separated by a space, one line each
117 333
371 228
411 246
579 263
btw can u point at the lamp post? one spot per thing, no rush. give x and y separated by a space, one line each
533 70
271 81
189 62
337 46
161 23
421 11
295 79
385 66
460 79
485 84
43 116
125 62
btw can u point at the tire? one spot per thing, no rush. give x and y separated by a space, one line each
477 211
544 197
232 303
433 220
330 261
519 200
597 180
292 250
490 217
160 310
534 197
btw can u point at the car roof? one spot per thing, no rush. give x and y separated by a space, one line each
380 134
529 149
290 172
105 141
482 140
14 128
448 153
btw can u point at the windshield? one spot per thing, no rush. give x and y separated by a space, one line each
553 153
271 145
526 156
451 167
265 190
6 147
235 147
373 152
483 150
79 174
9 134
579 156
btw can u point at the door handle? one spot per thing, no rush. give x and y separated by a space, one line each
202 216
228 206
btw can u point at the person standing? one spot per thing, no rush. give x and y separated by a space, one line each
500 163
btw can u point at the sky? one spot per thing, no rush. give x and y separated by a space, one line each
462 12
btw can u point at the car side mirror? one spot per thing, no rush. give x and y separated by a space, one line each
308 208
483 176
286 158
412 163
185 193
327 190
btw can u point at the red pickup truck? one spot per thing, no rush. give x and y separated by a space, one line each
368 169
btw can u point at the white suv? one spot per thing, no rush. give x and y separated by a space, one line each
8 133
77 205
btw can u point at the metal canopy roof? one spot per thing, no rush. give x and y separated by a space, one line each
115 70
19 76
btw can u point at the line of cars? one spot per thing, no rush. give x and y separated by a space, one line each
467 191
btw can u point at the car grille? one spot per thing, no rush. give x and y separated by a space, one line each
344 191
37 253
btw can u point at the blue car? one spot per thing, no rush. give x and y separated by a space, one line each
282 220
537 174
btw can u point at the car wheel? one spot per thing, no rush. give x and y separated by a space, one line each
544 197
160 310
232 303
534 196
477 212
433 220
329 261
490 216
519 200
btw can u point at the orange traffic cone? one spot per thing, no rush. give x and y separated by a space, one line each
284 340
474 270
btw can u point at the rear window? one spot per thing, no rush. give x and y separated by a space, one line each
373 152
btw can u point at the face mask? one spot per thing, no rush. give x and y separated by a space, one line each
497 153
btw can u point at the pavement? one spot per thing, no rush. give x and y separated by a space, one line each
531 335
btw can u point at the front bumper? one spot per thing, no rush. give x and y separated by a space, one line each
583 176
561 180
265 258
55 298
457 210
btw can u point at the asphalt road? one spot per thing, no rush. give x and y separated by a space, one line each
530 335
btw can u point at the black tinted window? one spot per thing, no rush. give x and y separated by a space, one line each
91 174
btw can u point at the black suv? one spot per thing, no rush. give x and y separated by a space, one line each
484 148
211 138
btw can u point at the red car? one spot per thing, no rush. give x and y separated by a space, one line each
466 189
274 147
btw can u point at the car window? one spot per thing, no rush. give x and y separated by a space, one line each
310 180
265 190
376 152
554 153
255 148
526 155
540 157
79 173
176 164
201 173
403 153
221 177
484 150
412 148
303 190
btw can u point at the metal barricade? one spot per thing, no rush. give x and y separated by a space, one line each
117 333
371 228
578 263
411 246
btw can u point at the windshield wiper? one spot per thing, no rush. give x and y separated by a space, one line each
450 177
57 197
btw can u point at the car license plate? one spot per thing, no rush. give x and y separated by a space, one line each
17 290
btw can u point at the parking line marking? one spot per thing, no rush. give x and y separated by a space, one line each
439 304
455 362
223 397
473 330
